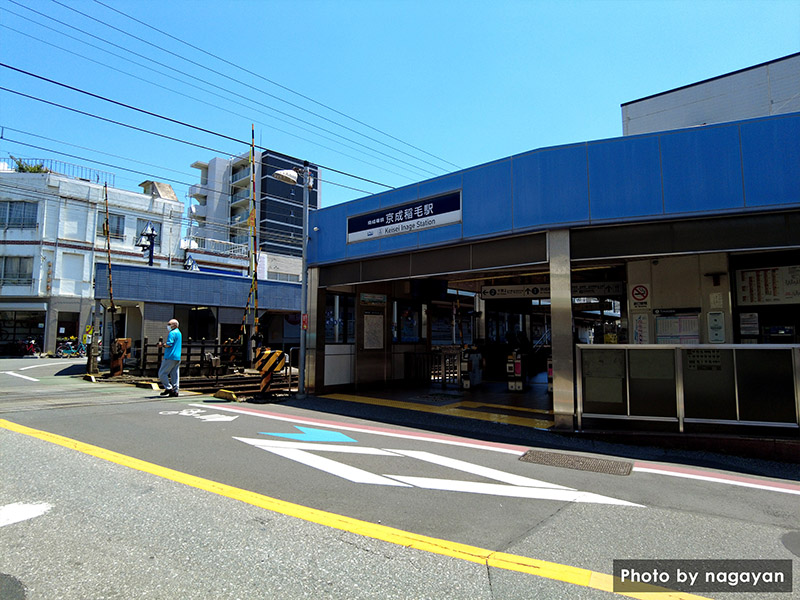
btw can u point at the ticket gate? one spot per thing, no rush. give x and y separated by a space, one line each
471 368
514 372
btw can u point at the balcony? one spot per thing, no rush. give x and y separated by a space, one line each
198 191
240 220
241 197
240 177
198 211
221 247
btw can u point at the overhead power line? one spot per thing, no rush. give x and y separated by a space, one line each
162 117
151 175
196 99
275 83
226 90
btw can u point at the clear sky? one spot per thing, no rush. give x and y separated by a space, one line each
454 83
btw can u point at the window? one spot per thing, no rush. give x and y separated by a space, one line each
18 215
276 276
407 322
116 225
142 223
340 319
16 270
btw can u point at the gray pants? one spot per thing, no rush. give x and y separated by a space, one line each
170 370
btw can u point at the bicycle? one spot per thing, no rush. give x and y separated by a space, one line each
29 347
67 350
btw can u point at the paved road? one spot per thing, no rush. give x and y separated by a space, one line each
120 527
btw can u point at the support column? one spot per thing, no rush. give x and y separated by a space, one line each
561 328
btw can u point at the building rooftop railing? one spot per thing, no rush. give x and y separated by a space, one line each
58 167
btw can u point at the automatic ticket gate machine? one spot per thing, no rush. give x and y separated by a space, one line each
470 368
514 371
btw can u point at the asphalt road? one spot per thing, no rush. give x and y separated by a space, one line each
115 527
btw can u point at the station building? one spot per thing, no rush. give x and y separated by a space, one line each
659 271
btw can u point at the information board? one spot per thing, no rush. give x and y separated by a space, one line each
776 285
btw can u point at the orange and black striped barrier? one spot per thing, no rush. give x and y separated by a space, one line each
268 362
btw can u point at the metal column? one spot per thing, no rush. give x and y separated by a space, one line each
561 328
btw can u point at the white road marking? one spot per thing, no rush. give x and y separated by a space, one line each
19 511
512 485
270 444
19 375
489 473
35 366
216 418
342 470
514 491
758 486
405 436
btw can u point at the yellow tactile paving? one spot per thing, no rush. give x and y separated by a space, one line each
457 409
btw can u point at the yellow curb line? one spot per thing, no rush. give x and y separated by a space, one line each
499 560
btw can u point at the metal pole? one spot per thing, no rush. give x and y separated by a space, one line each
301 366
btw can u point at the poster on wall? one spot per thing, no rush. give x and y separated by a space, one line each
776 285
678 329
373 331
748 323
640 328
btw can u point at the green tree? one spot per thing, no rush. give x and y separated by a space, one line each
23 167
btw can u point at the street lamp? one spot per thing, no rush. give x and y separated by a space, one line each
146 241
290 176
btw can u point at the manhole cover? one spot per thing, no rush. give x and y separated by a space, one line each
581 463
11 588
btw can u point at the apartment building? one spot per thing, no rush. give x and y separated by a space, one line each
52 234
223 201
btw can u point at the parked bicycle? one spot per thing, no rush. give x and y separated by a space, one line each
71 350
29 347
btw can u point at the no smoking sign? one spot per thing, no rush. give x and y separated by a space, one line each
640 294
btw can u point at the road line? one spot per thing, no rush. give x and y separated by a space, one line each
19 375
512 491
333 467
500 560
272 444
19 511
480 471
786 488
429 437
36 366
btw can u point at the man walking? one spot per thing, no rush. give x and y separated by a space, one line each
169 372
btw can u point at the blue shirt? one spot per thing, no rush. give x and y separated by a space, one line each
173 351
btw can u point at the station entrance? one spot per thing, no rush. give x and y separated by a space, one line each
477 338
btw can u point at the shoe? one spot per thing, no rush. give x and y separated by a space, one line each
166 393
173 393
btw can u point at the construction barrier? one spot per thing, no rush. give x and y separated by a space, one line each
268 362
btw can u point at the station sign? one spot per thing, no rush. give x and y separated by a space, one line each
541 291
419 215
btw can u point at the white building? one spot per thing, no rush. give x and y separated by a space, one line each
770 88
51 236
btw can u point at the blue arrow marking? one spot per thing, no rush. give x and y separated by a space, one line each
313 435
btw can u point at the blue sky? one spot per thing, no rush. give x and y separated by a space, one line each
465 82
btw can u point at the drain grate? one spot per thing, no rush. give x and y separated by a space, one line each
581 463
